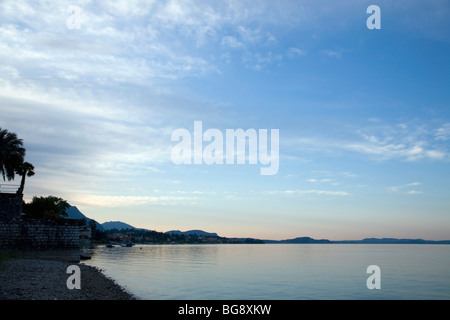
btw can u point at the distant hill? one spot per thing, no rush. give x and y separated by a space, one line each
74 213
299 240
306 240
393 241
192 232
117 225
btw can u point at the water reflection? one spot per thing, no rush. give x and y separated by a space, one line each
311 271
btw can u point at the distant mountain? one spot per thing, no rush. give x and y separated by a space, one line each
299 240
363 241
117 225
306 240
393 241
74 213
192 232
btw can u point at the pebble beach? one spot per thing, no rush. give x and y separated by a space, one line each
41 279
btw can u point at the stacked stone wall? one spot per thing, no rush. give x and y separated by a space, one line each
39 234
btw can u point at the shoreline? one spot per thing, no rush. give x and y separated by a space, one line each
43 279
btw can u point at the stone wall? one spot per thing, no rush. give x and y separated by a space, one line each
39 234
10 206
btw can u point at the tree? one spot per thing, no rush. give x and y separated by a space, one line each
50 207
26 169
96 233
12 153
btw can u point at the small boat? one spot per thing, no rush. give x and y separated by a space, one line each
84 256
109 245
128 245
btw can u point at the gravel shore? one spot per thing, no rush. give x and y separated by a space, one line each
39 279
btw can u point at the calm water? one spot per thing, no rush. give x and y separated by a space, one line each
277 271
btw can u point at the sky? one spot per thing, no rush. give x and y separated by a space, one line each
96 88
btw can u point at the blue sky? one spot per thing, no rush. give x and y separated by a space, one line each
363 115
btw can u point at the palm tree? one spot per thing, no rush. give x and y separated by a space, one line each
12 153
24 170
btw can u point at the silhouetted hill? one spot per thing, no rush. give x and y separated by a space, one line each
299 240
192 232
117 225
74 213
306 240
393 241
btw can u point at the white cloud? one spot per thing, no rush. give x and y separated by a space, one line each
443 133
318 180
295 52
310 192
121 201
387 142
99 97
348 174
414 192
104 50
255 36
140 40
380 142
334 53
232 42
406 188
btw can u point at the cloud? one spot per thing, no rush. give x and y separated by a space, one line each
121 201
381 141
414 192
255 36
104 50
311 192
388 142
443 133
257 60
104 98
232 42
139 41
295 52
318 180
406 189
135 42
333 53
348 174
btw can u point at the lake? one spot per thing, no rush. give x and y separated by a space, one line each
277 271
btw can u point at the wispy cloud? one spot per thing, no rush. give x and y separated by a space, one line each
414 192
315 192
334 53
96 106
295 52
410 143
125 201
443 133
381 142
406 189
232 42
318 180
